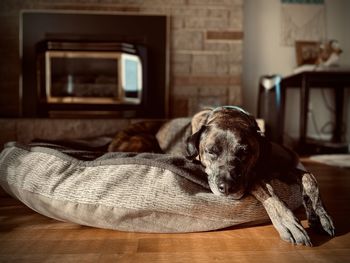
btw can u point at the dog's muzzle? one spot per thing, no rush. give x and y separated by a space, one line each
224 186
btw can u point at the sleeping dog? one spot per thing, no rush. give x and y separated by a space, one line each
238 160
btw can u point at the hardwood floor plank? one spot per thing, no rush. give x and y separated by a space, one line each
51 258
206 257
68 246
326 256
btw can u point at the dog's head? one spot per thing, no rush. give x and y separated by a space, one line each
227 142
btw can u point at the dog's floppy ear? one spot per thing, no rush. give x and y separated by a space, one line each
200 119
255 126
193 143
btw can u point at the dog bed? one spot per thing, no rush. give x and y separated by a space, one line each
125 191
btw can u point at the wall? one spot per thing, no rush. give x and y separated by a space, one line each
263 55
205 48
26 130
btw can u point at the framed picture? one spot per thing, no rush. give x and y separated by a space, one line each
307 52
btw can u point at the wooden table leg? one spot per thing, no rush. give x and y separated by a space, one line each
339 103
281 112
304 102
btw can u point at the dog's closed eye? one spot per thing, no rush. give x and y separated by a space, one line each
242 151
243 148
212 151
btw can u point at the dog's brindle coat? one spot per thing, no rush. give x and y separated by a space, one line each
239 160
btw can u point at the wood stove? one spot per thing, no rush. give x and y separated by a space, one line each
90 74
94 64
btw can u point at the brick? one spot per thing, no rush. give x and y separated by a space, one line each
59 129
215 91
200 103
185 91
233 57
206 80
235 69
218 13
224 35
235 21
228 3
205 23
175 3
219 46
187 40
179 107
222 69
234 95
181 68
94 7
194 22
203 64
181 57
202 11
193 106
155 10
195 98
190 11
181 63
177 22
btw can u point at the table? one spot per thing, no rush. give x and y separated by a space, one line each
336 80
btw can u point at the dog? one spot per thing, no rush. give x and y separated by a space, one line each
239 160
329 53
138 137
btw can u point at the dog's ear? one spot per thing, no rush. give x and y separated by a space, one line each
254 125
193 143
200 119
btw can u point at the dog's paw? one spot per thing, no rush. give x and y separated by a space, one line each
317 215
287 225
327 224
291 230
321 222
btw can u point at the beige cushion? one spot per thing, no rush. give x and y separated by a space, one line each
144 192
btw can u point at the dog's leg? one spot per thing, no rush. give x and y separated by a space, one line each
317 216
287 225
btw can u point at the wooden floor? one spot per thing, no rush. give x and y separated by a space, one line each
26 236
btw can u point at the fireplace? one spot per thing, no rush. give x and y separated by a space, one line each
90 73
94 64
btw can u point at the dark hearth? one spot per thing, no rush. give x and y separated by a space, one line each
88 64
90 75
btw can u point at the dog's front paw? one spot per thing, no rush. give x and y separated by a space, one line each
322 222
291 230
287 225
316 213
327 223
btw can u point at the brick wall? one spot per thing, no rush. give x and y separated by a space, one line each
206 39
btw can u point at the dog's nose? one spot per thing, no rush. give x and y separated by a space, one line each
223 188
